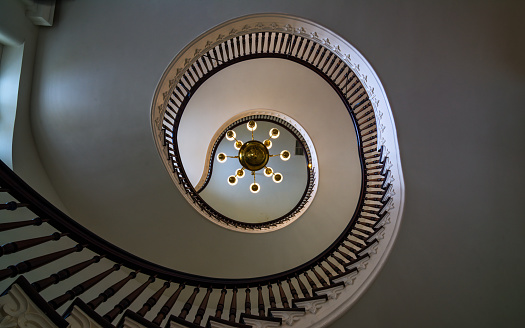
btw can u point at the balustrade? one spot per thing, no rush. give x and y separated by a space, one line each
331 263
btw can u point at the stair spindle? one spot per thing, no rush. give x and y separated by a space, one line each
189 303
346 256
233 305
11 206
293 291
333 266
64 274
284 299
37 262
339 260
15 225
310 281
302 287
108 293
247 302
166 308
202 307
153 300
271 297
318 276
81 288
127 301
20 245
260 302
220 304
325 270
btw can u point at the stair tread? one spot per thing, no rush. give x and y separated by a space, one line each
226 322
89 312
137 318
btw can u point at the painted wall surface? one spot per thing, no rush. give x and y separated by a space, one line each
454 74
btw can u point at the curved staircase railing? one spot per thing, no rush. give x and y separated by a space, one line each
286 291
248 46
276 299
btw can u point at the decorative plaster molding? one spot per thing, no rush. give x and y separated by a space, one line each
359 265
288 317
347 278
17 310
332 293
79 319
256 323
311 305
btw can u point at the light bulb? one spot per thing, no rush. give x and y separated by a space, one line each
239 173
237 144
232 180
230 135
222 157
285 155
255 188
251 126
267 143
274 133
277 178
268 171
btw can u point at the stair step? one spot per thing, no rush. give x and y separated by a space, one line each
79 311
176 322
359 263
370 249
21 295
331 291
346 277
221 323
288 315
310 304
260 322
132 319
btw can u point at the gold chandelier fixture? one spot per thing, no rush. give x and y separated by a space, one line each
253 156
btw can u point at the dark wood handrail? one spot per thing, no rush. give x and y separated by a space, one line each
311 276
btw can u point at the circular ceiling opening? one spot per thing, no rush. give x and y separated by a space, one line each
260 170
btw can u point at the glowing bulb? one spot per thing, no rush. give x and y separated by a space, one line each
238 144
274 133
277 178
267 143
255 188
268 171
251 125
222 157
232 180
230 135
285 155
239 173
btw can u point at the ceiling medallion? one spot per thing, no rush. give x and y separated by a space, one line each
253 156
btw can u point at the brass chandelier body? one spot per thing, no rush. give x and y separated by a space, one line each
254 156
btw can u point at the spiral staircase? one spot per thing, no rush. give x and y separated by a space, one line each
59 273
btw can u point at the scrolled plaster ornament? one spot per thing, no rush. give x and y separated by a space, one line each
332 293
311 305
18 311
288 317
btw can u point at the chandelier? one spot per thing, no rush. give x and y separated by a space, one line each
253 156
